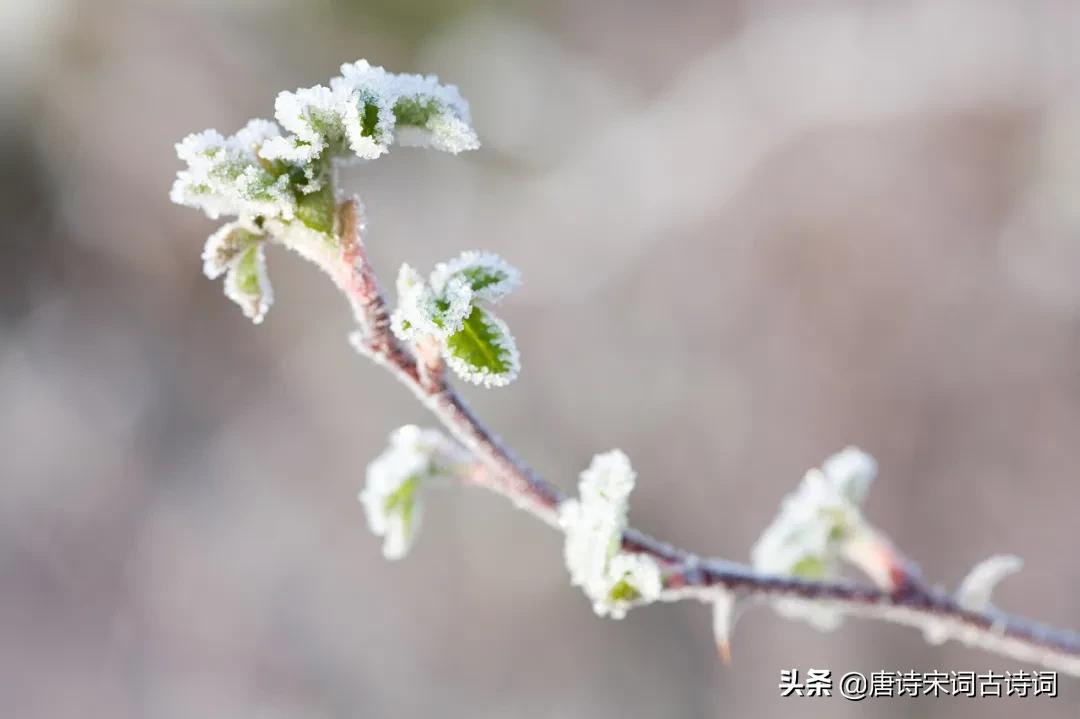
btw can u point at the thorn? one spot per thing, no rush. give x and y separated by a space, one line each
723 650
726 609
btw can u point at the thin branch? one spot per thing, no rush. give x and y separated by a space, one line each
912 603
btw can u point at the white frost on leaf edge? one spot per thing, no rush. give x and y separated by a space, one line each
255 304
593 524
503 342
472 261
336 119
237 250
226 244
421 311
224 176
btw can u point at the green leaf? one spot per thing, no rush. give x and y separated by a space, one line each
316 210
483 351
416 111
481 278
225 246
246 283
488 276
403 500
623 592
247 273
370 119
810 567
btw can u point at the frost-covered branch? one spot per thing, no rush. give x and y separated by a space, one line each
281 188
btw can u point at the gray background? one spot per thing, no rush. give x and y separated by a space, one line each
752 233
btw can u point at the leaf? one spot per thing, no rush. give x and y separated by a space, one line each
403 503
316 209
623 591
489 276
416 111
225 245
483 351
810 567
247 284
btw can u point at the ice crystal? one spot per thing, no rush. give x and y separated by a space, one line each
815 524
614 580
392 496
421 311
416 110
488 276
225 177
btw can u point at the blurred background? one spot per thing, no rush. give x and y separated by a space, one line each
752 233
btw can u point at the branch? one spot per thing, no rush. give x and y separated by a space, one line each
911 603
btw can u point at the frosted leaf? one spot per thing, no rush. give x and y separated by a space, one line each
974 592
317 118
614 580
483 351
453 304
226 245
609 479
815 524
224 176
421 311
851 471
392 495
475 343
247 284
489 276
441 131
416 110
633 579
364 111
254 134
408 321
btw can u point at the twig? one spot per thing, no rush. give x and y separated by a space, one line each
911 603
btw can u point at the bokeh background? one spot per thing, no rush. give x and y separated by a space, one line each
752 233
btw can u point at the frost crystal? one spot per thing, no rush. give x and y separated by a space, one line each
225 177
365 110
450 307
278 176
392 497
489 276
421 311
614 580
416 110
815 526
